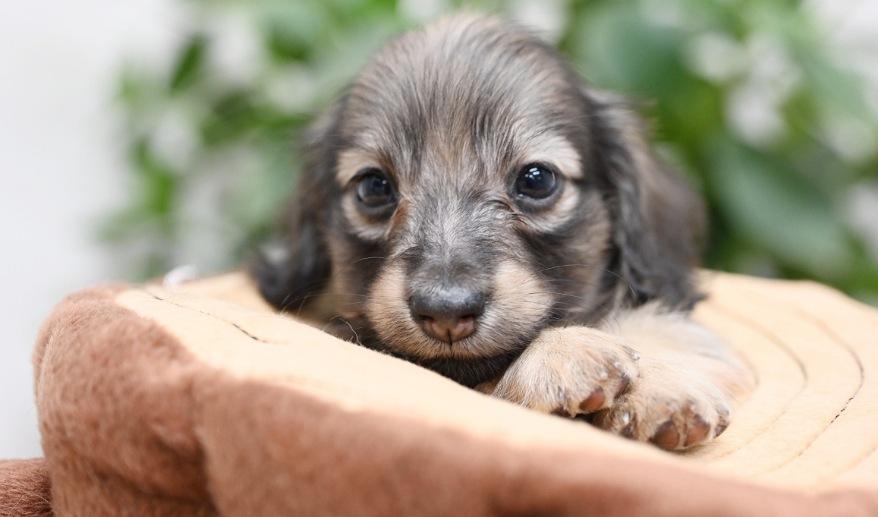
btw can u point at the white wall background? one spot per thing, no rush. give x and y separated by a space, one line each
60 165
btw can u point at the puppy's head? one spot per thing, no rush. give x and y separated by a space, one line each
467 191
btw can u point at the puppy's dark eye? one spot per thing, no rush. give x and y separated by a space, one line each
374 189
536 181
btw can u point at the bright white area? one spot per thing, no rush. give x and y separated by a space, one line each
59 166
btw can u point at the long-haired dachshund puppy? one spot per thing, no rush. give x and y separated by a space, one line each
470 205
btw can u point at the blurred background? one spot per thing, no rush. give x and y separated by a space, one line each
141 135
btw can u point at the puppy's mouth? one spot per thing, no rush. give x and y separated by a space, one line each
469 335
468 371
468 357
455 359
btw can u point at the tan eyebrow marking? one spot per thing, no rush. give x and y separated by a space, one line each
352 161
556 150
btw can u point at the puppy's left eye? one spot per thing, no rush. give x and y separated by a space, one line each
374 190
536 181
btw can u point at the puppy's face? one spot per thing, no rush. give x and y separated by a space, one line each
460 198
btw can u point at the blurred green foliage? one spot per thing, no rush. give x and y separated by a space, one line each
744 96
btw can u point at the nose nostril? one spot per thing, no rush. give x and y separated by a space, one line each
464 327
448 329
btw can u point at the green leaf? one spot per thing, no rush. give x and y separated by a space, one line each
779 211
189 64
619 48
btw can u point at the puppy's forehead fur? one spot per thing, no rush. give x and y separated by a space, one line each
466 96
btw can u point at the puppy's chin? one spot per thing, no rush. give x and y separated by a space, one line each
468 371
460 361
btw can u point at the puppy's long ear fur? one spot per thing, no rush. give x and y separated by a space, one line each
303 269
659 220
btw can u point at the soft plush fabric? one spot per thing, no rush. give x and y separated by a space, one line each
198 400
24 488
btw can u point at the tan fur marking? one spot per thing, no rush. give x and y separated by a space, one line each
364 228
555 150
557 215
352 161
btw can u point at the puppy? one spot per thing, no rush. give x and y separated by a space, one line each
470 205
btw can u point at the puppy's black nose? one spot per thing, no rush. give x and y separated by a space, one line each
448 314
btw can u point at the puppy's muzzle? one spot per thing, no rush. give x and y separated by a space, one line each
447 313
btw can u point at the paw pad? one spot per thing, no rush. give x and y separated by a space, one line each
697 431
666 436
594 401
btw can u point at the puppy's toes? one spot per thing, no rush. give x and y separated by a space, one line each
613 380
687 427
570 372
670 420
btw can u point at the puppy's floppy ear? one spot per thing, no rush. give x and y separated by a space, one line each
300 270
659 220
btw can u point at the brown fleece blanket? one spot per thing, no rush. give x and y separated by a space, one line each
198 400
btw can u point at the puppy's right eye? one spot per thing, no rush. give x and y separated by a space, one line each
374 190
536 181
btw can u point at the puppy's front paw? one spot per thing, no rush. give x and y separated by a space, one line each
570 371
671 408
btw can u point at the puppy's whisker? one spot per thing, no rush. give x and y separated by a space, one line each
565 266
367 258
623 280
346 322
